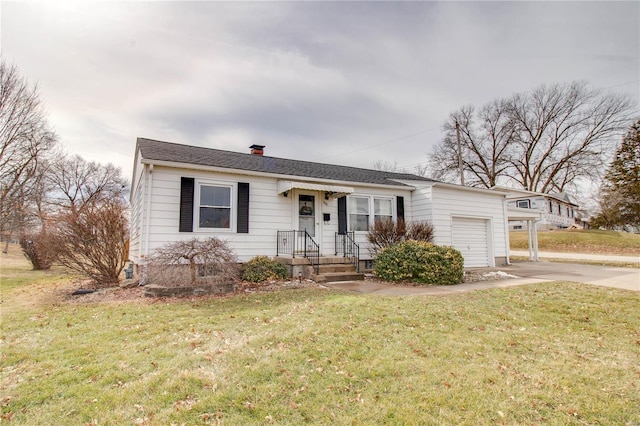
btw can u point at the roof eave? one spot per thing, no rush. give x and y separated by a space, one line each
229 170
471 189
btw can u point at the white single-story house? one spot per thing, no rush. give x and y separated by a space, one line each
282 207
558 210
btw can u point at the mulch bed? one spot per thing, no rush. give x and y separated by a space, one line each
136 294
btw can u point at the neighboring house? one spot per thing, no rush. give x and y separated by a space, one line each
558 210
255 201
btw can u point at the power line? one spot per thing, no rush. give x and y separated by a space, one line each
368 147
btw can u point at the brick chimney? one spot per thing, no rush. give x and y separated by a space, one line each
257 149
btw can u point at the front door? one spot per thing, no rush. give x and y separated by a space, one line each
307 213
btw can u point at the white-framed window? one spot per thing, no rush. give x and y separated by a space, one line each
361 206
382 209
524 204
358 213
214 206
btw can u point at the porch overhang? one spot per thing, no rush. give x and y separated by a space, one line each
532 217
331 191
519 213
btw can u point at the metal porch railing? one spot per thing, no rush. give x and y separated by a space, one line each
345 244
299 243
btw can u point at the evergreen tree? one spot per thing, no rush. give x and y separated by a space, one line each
621 189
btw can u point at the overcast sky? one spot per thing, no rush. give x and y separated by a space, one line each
342 82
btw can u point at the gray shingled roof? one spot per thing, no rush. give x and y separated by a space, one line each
177 153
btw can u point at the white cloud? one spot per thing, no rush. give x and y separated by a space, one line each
349 83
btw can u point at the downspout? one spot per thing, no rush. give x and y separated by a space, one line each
147 225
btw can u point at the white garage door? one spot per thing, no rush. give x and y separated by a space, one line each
470 237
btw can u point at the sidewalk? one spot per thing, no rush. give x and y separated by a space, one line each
374 287
577 256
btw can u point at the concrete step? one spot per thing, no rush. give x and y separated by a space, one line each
342 267
334 260
337 276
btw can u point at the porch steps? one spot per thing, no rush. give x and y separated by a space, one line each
341 270
337 276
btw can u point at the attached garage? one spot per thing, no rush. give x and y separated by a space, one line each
471 237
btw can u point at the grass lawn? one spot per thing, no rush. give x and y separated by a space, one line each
581 241
554 353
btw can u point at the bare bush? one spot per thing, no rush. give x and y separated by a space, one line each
419 231
91 223
193 261
92 240
40 249
385 233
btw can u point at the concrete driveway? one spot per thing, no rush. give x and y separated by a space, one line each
528 273
607 276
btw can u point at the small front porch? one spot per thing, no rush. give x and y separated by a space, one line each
300 251
329 269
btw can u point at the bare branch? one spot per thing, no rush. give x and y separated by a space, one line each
541 141
25 140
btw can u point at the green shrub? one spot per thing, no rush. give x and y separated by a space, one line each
261 268
420 262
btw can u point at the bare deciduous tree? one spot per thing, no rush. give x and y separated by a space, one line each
25 139
540 141
483 146
386 166
76 182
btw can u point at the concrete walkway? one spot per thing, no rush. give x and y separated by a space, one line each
528 273
583 256
375 287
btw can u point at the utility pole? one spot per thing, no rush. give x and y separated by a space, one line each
459 154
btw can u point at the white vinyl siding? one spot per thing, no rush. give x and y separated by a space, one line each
268 212
556 214
156 211
137 222
441 203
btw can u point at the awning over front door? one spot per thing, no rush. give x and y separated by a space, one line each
333 191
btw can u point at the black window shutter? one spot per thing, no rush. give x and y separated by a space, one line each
186 204
243 208
400 208
342 215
